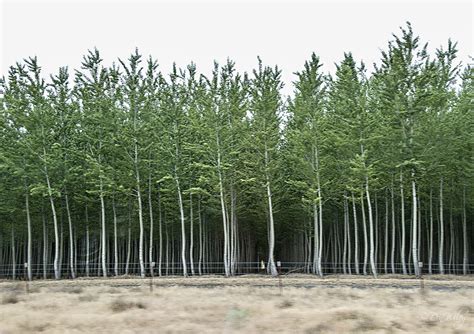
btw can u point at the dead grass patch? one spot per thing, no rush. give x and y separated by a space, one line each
120 305
286 304
10 299
88 298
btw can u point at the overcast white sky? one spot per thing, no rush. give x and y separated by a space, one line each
281 32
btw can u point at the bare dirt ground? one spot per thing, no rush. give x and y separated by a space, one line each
244 304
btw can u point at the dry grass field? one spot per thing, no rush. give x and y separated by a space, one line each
246 304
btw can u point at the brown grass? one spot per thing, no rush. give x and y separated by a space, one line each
251 304
9 299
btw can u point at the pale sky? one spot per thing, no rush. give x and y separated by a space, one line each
281 32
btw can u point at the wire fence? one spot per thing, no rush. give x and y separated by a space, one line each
41 271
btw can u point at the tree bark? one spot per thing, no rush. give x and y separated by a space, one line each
160 231
271 246
430 251
465 258
371 229
441 229
183 230
29 240
150 206
402 233
364 224
191 234
114 212
223 212
385 257
71 238
356 237
414 223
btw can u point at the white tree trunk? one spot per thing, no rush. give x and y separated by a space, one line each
114 212
385 257
160 231
344 252
57 273
129 241
71 238
465 258
356 236
183 230
13 255
191 234
414 223
366 242
441 228
271 237
28 223
392 254
349 246
316 240
224 214
150 205
103 248
140 214
320 252
87 244
430 250
200 237
371 229
402 233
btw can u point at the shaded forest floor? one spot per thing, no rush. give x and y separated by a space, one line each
246 304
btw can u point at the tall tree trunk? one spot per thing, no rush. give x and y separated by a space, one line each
140 214
114 212
318 180
451 238
223 212
103 234
13 254
392 254
465 257
430 251
183 230
129 237
349 246
71 238
316 240
402 233
356 236
344 252
271 239
160 231
57 274
371 229
233 232
28 225
87 244
364 224
191 234
414 223
45 245
385 256
441 229
150 206
200 237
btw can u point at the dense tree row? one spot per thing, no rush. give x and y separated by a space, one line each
113 169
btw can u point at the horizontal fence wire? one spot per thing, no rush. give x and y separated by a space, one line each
39 270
